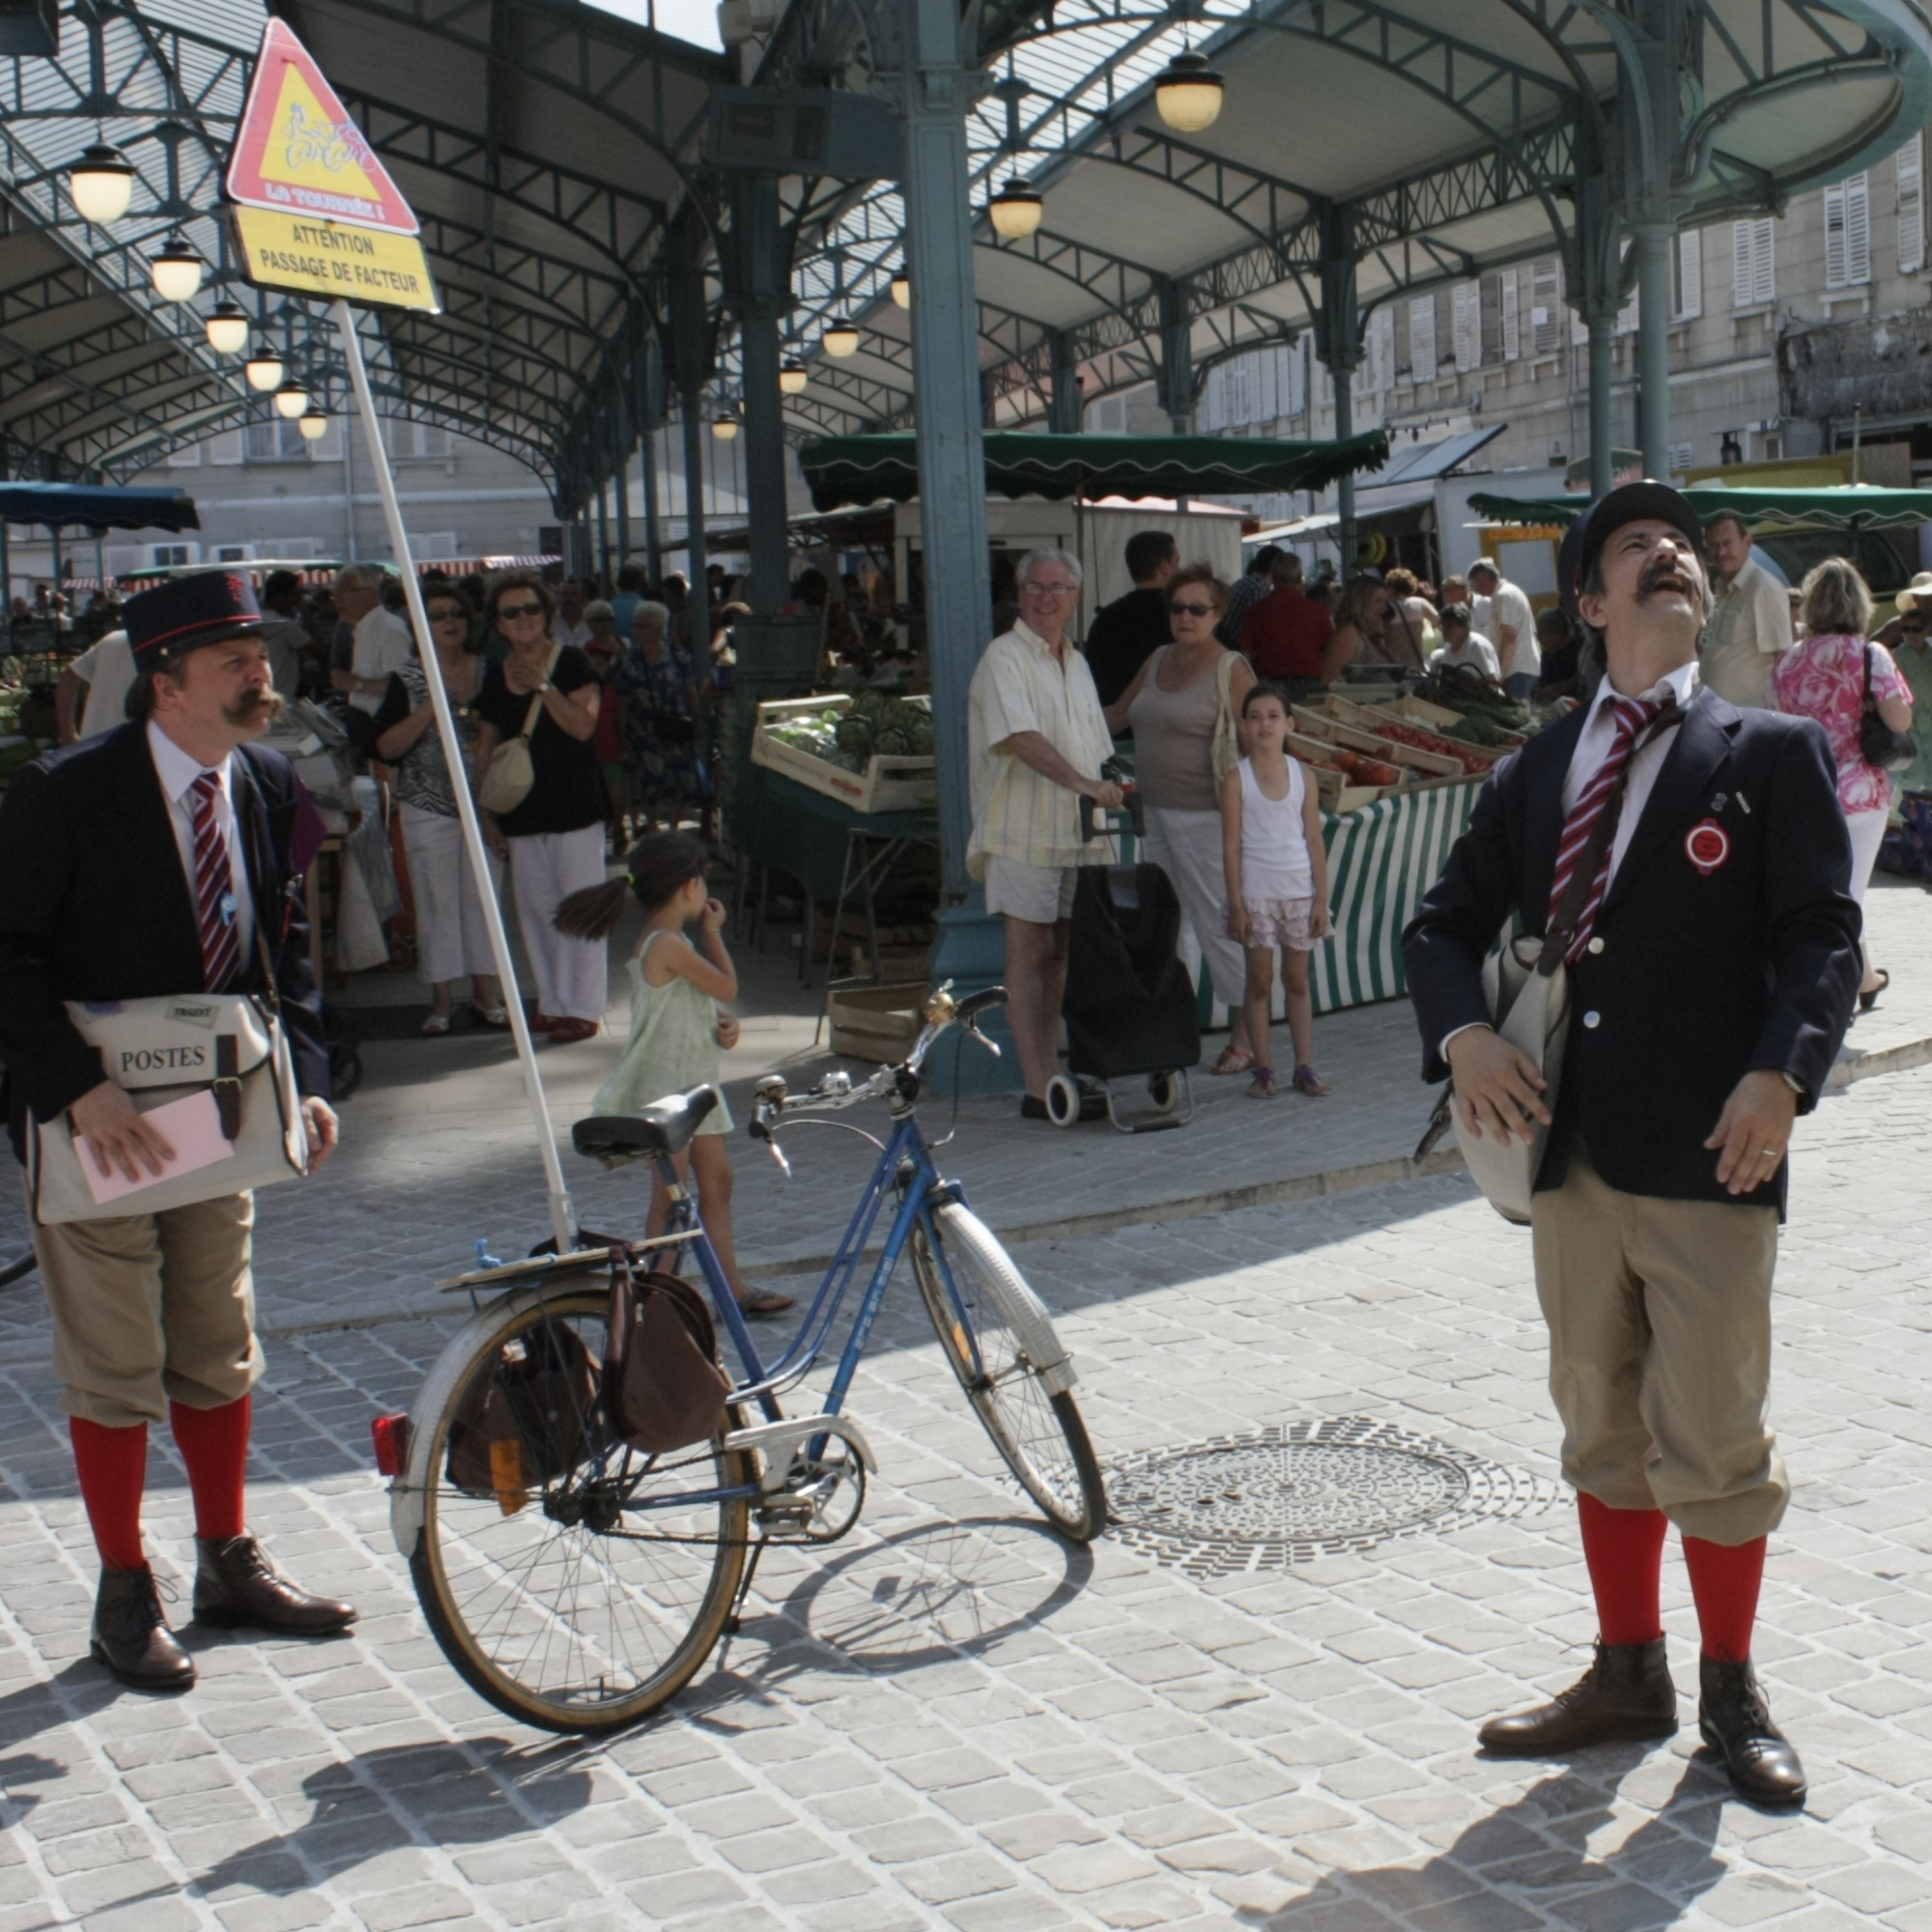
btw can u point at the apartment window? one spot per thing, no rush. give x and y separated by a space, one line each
187 457
1512 308
276 440
1848 233
1911 161
1466 323
1422 358
1381 349
1686 276
1753 284
1294 376
1545 306
404 439
1107 415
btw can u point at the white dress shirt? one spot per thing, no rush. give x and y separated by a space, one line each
384 644
1600 730
177 771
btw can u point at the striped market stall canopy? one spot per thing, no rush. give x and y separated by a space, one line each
1381 862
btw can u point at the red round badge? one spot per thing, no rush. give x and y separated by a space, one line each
1707 846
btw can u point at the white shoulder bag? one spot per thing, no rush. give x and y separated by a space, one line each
230 1045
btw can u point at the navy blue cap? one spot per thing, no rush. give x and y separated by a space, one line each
1639 503
186 613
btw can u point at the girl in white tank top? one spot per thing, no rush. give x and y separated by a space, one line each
1277 883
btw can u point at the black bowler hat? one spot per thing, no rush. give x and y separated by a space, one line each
186 613
1639 503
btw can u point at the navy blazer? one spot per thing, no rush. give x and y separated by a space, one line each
94 906
1729 939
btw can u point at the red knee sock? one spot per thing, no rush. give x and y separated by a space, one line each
213 1443
112 1464
1725 1581
1624 1549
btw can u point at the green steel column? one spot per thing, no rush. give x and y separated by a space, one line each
937 92
1338 346
760 288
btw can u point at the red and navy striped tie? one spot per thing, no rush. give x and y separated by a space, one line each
213 888
1632 715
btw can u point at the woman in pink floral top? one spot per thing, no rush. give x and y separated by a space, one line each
1824 677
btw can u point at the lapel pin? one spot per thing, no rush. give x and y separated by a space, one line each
1744 804
1707 845
1718 803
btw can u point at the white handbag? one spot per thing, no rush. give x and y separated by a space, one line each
233 1045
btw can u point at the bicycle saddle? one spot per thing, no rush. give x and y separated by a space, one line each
654 1132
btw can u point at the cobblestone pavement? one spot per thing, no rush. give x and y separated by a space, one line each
952 1720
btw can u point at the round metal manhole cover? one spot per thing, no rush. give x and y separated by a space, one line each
1277 1496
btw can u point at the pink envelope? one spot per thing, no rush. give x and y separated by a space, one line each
193 1129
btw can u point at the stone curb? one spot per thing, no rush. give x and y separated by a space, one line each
1899 1059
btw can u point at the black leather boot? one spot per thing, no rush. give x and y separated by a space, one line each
1736 1723
131 1637
1625 1694
235 1583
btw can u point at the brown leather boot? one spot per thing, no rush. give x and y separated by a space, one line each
1735 1723
235 1583
131 1637
1625 1694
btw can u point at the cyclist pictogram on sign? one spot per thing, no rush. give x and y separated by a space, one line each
297 151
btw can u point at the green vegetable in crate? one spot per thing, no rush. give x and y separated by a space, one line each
855 735
890 742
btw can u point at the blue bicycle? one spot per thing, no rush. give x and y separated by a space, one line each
578 1582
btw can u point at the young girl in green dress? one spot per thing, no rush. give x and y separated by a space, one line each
676 1030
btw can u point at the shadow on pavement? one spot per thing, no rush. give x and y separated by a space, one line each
384 1799
925 1595
1537 1848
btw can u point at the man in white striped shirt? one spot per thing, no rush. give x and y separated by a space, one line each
1037 740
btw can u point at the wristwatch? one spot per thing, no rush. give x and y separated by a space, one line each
1792 1081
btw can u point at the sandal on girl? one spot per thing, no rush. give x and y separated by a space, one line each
490 1016
436 1024
1233 1059
765 1304
1308 1081
1866 1000
1264 1083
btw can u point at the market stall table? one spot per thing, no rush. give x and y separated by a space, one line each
833 852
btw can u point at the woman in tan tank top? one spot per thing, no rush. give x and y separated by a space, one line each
1174 706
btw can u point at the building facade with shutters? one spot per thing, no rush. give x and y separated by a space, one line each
1789 336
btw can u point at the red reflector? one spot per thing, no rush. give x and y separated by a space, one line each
392 1443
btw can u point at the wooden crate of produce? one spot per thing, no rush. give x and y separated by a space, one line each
1357 738
889 782
876 1023
1413 710
1333 786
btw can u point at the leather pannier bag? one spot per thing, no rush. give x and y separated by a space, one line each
663 1386
524 1422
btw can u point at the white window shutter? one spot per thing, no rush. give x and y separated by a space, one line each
1467 324
226 447
1752 282
1512 317
187 457
1688 296
1835 236
1764 283
1912 204
1297 377
1269 405
1546 295
1741 263
1422 356
1857 229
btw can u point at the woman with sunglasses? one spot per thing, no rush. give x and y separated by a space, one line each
1180 699
554 839
452 939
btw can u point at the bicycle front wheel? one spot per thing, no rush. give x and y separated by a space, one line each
574 1582
1000 1343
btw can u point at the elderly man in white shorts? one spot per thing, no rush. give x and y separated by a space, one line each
1038 740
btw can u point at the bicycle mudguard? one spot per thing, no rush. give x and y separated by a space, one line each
1025 1314
779 1441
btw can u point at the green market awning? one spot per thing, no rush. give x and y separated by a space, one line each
844 470
1846 506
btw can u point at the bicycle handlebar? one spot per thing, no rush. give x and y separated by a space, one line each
835 1092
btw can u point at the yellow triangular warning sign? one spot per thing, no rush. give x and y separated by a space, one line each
297 151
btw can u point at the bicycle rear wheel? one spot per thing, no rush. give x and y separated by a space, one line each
572 1582
1000 1343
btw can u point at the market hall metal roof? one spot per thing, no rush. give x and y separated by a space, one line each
1432 138
549 148
542 144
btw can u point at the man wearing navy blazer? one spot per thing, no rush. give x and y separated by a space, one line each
155 861
1712 976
